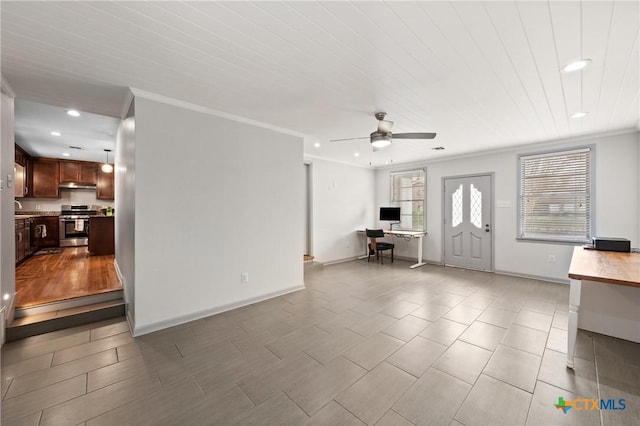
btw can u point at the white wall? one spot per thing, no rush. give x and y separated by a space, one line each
616 198
213 198
125 179
342 203
7 221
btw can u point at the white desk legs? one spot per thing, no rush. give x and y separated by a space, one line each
420 262
574 305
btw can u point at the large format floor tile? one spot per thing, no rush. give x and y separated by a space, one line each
417 355
464 361
375 393
433 399
492 402
542 412
364 343
515 367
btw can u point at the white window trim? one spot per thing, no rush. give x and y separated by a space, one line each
424 200
592 185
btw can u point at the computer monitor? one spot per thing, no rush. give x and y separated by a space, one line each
391 214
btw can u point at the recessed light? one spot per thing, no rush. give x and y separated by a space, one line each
317 144
66 154
357 154
56 133
73 113
579 114
576 65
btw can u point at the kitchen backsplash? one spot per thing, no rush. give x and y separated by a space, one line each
67 196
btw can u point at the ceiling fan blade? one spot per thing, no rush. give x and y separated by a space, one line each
414 135
348 139
384 126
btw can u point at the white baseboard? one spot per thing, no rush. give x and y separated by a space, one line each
337 261
161 325
533 277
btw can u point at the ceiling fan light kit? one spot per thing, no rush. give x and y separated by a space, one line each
380 140
383 136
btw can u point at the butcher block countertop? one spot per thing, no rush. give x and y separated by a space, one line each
605 266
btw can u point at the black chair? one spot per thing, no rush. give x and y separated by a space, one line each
375 247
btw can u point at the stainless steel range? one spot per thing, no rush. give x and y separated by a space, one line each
74 224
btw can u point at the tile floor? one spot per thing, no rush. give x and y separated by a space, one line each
363 344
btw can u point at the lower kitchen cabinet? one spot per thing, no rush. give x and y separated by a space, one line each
22 239
45 232
101 235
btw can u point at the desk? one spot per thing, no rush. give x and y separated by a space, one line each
597 267
402 234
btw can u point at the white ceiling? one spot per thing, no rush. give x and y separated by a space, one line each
483 75
82 138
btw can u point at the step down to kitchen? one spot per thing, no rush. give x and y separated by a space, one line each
312 266
66 317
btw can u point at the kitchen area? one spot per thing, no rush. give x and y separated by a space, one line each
64 216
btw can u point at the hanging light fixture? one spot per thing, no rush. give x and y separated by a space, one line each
106 167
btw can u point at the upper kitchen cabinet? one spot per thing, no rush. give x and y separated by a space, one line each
78 172
46 178
21 156
105 186
20 173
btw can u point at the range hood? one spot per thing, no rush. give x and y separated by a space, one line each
72 185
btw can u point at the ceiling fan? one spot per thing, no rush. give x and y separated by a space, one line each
382 137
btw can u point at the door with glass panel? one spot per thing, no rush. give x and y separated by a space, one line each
467 222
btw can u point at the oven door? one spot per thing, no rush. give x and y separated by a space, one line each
74 232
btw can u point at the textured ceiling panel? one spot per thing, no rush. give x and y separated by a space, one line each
483 75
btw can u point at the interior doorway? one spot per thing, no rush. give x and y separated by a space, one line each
308 256
468 215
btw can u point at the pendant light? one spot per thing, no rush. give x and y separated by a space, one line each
106 167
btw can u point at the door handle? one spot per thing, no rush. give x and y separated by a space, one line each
486 228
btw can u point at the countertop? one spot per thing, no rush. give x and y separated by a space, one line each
605 266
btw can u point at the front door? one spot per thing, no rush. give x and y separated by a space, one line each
467 222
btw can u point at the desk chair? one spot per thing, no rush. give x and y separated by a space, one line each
376 247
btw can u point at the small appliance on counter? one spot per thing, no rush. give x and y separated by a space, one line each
610 244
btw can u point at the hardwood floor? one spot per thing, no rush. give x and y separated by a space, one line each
55 277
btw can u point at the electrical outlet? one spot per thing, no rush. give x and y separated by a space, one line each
244 277
552 258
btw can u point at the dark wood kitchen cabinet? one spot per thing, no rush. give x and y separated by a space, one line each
22 239
22 173
51 230
101 235
105 186
78 172
45 173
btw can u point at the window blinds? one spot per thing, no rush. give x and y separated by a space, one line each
407 192
555 196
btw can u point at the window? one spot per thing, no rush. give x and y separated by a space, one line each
407 192
555 196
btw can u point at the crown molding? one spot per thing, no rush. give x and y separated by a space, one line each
216 113
6 88
124 111
514 148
